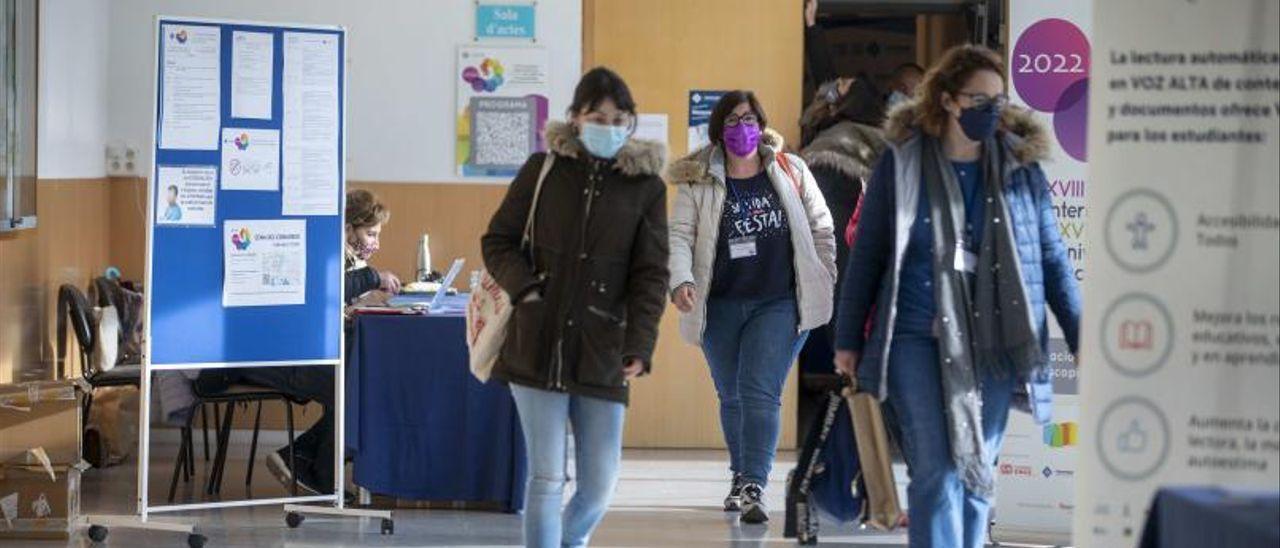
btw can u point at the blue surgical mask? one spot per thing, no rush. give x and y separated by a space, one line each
895 98
603 141
979 122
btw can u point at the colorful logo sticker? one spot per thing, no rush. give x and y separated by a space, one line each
1065 434
241 239
485 78
242 141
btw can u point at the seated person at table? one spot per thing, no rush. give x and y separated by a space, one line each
365 216
314 448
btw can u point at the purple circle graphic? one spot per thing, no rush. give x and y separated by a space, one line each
1070 122
1049 57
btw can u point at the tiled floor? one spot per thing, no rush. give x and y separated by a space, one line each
664 498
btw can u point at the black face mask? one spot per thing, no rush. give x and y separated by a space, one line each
979 123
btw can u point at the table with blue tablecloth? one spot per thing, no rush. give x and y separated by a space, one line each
420 425
1197 517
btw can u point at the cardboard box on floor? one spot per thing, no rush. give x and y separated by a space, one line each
39 502
40 414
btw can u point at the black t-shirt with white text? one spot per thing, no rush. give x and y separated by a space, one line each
753 253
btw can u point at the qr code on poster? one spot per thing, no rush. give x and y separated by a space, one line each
501 138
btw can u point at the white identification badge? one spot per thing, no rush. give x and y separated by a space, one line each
966 261
742 248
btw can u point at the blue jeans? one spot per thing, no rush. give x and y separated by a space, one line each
943 514
597 431
750 346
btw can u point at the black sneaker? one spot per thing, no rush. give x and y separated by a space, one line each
733 502
753 508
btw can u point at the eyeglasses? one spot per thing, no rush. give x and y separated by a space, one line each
981 99
749 119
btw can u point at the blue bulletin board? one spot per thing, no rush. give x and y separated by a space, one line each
192 321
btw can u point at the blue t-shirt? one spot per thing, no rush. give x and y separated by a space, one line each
753 251
916 305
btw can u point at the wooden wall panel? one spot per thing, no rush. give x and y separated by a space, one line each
455 215
20 304
127 220
664 49
70 244
74 241
937 33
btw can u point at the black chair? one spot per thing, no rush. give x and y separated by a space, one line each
73 308
236 394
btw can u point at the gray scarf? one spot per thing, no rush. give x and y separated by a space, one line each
985 319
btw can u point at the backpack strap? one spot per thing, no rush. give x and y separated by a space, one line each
786 168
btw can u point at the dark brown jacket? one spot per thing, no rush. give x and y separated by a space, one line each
599 264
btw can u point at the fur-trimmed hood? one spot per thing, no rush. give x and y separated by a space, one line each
639 157
696 166
848 147
1027 138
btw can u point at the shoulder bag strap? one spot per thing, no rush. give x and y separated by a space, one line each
527 241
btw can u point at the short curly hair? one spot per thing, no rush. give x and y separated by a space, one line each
949 76
365 210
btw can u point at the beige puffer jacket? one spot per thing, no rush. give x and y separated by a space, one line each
694 227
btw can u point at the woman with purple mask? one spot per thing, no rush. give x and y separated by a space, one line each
752 271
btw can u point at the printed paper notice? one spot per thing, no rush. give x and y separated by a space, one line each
265 263
191 94
311 174
250 159
185 195
251 62
652 127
